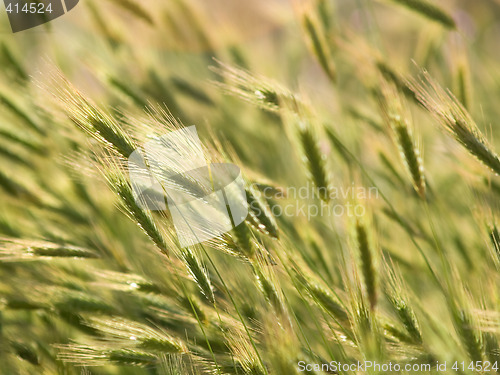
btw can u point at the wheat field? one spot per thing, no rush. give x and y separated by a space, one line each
366 133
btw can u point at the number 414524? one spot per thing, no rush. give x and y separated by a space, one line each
476 366
29 8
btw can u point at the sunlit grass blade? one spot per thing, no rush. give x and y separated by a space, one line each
429 10
455 119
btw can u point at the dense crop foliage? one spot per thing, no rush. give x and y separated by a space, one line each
366 132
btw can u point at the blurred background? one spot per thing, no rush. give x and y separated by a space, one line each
207 62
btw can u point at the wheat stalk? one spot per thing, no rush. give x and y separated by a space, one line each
366 257
198 272
429 10
402 134
314 159
455 119
319 47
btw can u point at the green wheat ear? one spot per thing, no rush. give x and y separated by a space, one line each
243 237
16 250
141 336
366 327
91 119
76 271
26 352
259 214
494 235
319 47
402 134
366 258
134 9
322 297
491 348
268 287
12 62
101 355
397 296
314 160
199 272
429 11
257 90
467 332
398 79
455 119
113 37
463 84
20 112
244 355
